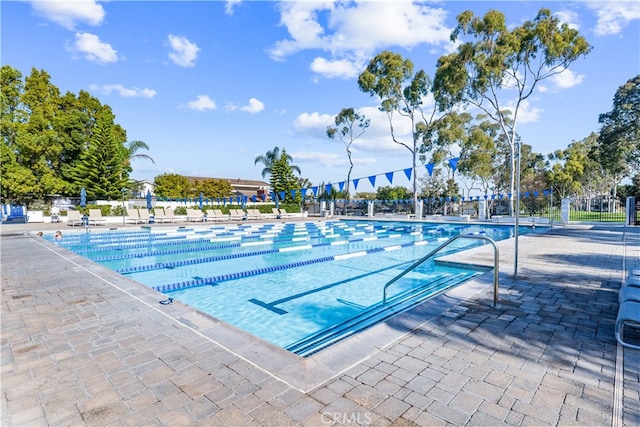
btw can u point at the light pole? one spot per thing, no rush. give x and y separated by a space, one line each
123 208
517 217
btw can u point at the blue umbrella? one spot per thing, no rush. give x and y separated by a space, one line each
148 199
83 198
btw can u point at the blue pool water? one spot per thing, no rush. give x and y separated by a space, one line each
298 285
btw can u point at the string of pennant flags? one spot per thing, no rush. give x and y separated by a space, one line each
280 196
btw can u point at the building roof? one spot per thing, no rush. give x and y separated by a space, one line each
235 182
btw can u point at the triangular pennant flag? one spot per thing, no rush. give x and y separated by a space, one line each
429 167
355 183
372 180
315 191
303 192
390 177
341 185
293 194
407 172
282 194
327 188
454 163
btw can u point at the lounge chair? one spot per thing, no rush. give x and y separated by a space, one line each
216 215
629 293
158 214
133 216
14 213
283 213
628 317
169 215
253 214
195 215
95 217
144 215
238 214
74 218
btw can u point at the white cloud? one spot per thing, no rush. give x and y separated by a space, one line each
202 103
230 5
567 79
254 106
312 124
94 50
322 158
68 13
182 51
614 16
335 68
526 112
345 31
124 92
568 17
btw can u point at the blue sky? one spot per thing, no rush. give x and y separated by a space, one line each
209 85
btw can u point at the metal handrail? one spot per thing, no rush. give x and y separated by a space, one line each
496 258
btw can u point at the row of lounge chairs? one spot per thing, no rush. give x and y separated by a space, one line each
167 215
94 218
629 310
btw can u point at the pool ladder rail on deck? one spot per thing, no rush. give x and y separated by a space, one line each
496 259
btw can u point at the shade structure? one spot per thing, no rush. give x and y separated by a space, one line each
148 199
83 198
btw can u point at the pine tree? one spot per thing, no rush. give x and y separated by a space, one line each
100 169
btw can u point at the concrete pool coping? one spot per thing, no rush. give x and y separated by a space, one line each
80 350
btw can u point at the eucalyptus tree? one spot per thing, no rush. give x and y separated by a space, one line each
618 147
500 68
402 92
349 126
480 154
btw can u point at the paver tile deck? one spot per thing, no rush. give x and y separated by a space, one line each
81 345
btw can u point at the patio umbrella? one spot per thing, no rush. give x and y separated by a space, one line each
83 198
148 199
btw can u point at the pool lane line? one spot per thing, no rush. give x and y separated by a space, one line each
214 280
219 247
216 258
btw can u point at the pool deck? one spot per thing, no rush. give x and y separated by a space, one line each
82 345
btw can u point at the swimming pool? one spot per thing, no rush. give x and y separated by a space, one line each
299 285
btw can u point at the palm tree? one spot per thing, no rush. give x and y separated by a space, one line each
271 157
132 148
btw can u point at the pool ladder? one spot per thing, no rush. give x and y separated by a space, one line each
496 259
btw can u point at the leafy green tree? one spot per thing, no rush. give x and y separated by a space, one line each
393 193
211 188
618 148
99 169
171 185
349 126
46 136
480 155
500 62
391 78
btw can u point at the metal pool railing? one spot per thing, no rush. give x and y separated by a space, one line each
496 259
